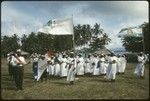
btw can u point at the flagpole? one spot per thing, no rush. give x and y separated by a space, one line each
73 36
143 40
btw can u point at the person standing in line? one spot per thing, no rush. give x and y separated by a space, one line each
95 65
123 64
139 70
80 68
57 65
35 59
102 65
63 69
88 64
18 62
111 70
71 69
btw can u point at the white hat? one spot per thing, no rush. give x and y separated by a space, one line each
18 50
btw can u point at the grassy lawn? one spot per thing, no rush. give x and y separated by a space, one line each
127 86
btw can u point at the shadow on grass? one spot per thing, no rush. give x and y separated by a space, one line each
60 83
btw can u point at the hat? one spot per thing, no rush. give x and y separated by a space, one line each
8 54
18 50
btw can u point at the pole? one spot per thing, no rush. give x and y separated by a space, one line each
73 36
143 40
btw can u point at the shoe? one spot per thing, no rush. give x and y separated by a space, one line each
113 80
21 88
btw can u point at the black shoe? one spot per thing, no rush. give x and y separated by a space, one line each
71 82
113 80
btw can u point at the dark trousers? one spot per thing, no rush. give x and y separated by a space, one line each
18 76
10 70
35 68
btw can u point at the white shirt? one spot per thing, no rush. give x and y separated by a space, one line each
15 61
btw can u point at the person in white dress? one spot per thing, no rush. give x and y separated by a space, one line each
102 65
118 70
88 64
51 66
57 66
123 64
80 67
63 66
71 69
139 70
111 70
94 65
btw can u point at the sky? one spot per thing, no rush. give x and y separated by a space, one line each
24 17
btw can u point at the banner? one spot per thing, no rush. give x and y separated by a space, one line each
58 27
42 64
131 31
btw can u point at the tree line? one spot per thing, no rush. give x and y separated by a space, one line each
40 42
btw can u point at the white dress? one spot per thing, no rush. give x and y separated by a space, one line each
123 64
63 67
102 66
57 68
80 67
111 70
51 67
118 70
71 69
139 70
87 65
95 69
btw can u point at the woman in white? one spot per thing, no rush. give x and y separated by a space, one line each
118 70
63 66
80 68
51 66
57 66
94 65
111 70
88 64
123 64
71 69
102 65
139 70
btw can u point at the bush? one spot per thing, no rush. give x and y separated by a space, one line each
131 58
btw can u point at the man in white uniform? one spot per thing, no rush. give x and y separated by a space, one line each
139 70
118 70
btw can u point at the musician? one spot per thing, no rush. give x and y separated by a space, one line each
18 62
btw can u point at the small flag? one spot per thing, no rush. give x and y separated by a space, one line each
131 31
58 27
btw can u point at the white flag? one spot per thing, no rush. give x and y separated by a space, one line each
131 31
58 27
42 64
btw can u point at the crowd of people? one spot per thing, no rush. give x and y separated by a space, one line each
70 66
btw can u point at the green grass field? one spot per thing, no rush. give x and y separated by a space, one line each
127 86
